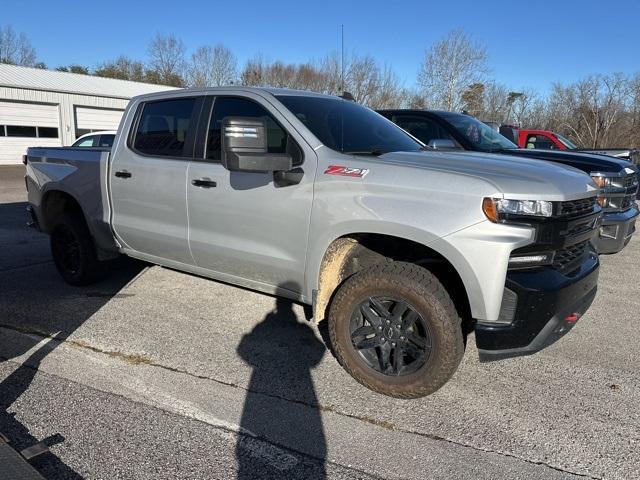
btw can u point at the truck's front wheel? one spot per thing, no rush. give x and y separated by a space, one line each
395 329
73 251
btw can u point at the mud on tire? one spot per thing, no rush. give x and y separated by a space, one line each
401 352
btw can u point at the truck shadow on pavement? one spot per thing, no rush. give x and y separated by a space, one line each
38 312
282 352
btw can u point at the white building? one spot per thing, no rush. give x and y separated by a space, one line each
47 108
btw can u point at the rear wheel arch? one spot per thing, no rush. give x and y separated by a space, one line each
55 204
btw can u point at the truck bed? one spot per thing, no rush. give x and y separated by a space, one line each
80 173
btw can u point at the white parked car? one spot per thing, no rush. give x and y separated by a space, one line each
96 139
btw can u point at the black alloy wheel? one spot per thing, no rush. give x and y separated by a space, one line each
390 335
65 247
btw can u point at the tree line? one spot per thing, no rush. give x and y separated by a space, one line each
595 112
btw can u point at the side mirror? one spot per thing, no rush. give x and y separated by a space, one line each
245 148
443 144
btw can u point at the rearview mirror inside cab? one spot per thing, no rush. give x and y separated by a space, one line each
245 148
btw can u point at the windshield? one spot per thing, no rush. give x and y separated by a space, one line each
348 127
481 136
567 143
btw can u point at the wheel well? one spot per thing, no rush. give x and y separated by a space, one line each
55 204
349 254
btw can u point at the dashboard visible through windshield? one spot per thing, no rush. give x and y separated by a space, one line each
347 127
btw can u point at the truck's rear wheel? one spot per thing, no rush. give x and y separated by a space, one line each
73 251
395 329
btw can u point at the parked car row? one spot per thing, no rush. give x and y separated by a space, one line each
404 248
616 178
548 140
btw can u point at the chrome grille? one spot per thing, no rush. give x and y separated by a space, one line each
630 181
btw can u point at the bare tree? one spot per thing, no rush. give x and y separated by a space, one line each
166 60
16 48
362 78
212 67
253 73
521 105
495 103
592 112
389 93
473 99
451 66
330 67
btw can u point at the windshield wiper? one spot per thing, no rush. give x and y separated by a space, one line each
374 152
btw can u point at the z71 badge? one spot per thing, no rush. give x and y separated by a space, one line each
346 171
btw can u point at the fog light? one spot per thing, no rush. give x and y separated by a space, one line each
609 231
531 260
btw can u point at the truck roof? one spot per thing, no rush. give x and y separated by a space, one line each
237 89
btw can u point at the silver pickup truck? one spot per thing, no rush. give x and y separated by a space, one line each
316 198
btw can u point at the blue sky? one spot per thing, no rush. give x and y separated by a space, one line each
530 44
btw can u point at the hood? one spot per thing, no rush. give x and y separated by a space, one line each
587 162
517 178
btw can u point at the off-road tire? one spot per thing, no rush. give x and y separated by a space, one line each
89 268
428 298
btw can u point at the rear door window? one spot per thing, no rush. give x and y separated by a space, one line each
165 128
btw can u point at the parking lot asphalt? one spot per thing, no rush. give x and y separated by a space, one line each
153 373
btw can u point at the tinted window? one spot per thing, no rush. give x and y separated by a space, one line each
540 141
422 128
18 131
481 136
241 107
47 132
106 140
163 127
347 127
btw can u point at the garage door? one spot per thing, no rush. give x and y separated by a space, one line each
24 125
94 119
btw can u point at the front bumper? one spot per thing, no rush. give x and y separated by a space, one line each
548 304
616 230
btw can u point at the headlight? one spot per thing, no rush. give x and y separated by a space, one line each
496 209
601 182
603 201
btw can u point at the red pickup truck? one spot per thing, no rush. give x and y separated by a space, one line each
547 140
